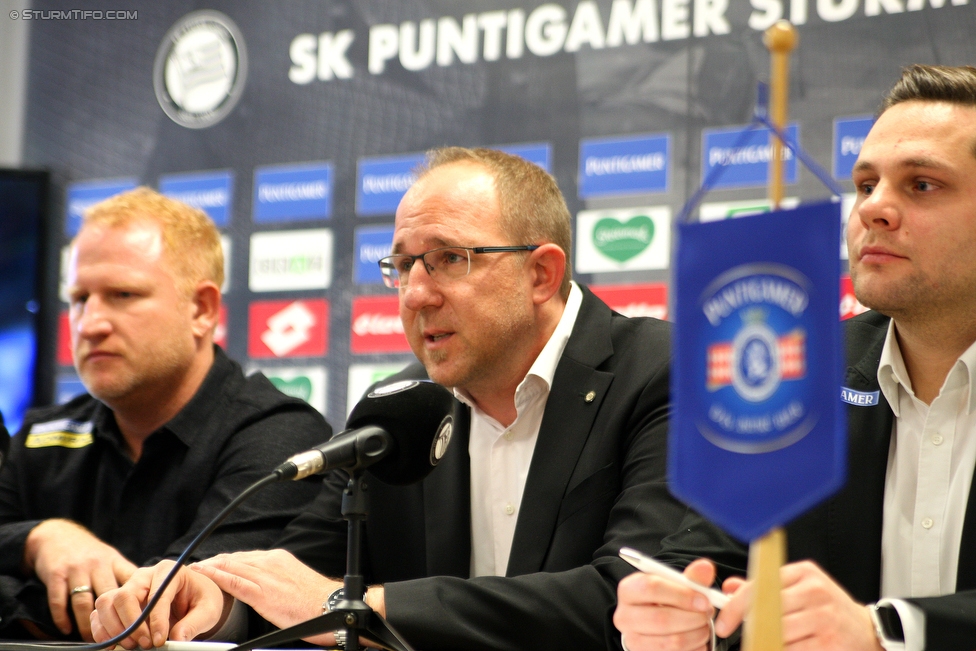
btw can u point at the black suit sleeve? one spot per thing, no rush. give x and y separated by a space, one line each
950 621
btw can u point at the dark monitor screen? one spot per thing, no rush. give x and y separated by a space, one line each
24 228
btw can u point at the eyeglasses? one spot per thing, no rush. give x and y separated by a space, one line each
447 263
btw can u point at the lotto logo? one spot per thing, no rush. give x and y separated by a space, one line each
288 328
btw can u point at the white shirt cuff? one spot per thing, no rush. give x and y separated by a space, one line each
912 624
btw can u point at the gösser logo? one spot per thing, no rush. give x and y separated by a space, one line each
200 69
623 241
756 359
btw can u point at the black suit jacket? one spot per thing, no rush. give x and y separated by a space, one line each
843 535
596 483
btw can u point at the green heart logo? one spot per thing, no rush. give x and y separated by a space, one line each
623 241
299 387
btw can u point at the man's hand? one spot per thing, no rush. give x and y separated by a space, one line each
277 585
655 614
191 605
817 612
66 556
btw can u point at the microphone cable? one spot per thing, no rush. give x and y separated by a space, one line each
277 475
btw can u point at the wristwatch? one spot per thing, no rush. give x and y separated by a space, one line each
887 626
329 605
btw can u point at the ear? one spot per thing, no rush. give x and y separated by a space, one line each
546 266
206 309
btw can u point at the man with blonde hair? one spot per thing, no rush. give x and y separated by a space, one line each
169 432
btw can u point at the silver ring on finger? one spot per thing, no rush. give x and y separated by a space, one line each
81 589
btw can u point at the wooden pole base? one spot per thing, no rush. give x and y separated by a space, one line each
763 626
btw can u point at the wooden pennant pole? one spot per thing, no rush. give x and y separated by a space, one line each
763 626
780 39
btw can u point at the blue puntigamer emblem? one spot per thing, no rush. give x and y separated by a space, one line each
755 358
757 431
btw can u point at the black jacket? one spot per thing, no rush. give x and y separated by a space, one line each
596 483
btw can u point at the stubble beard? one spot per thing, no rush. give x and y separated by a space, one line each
498 347
163 370
897 298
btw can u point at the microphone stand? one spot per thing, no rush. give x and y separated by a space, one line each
351 614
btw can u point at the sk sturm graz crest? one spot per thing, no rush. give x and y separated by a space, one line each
756 362
200 69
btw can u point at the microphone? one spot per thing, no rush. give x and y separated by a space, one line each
400 431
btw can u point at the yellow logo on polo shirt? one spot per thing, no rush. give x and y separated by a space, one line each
62 433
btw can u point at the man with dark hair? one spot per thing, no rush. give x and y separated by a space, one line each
899 536
168 434
512 542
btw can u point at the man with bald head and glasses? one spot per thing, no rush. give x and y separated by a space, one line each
512 542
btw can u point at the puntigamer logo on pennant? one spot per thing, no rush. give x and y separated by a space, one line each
755 366
623 240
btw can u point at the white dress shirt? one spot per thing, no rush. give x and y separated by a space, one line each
500 456
930 469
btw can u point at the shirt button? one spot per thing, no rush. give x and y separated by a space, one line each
508 435
509 509
927 523
937 439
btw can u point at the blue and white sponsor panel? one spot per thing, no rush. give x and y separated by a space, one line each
285 193
743 154
85 194
849 135
372 243
622 166
539 153
382 181
211 192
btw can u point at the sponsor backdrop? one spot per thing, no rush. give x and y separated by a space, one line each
296 126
